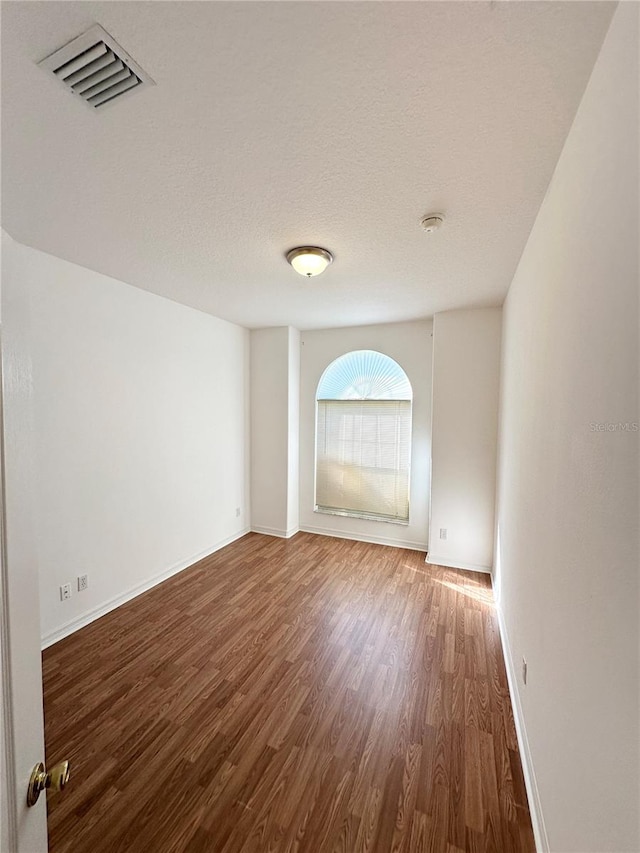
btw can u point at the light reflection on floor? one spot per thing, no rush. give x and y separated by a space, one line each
479 593
470 588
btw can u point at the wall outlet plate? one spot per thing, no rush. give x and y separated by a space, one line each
83 582
65 591
524 671
443 532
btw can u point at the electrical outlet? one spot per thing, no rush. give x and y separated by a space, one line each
443 532
65 591
83 582
524 671
237 512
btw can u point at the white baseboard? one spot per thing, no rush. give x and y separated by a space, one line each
102 609
456 564
274 531
535 807
374 540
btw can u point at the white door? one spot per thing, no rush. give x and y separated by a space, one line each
24 830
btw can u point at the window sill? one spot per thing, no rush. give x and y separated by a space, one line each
361 515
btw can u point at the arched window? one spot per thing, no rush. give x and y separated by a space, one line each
363 438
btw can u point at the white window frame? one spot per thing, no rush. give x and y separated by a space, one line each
344 484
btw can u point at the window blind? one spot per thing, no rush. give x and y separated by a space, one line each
363 451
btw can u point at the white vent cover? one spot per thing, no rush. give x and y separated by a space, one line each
96 68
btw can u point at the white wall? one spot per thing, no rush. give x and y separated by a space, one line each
141 426
410 345
293 462
567 561
269 429
466 383
275 378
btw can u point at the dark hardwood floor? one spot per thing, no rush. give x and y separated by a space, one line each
308 695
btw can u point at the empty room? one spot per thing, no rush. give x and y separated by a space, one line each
319 461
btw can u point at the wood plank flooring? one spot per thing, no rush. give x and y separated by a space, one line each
314 694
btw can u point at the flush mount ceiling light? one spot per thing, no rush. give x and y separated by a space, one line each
309 260
432 222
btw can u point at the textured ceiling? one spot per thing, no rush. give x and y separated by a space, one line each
275 124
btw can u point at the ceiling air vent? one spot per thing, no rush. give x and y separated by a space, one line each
96 68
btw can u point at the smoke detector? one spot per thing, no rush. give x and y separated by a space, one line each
432 222
94 67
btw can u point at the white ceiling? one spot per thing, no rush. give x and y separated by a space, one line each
275 124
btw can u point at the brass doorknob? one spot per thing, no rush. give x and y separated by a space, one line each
56 778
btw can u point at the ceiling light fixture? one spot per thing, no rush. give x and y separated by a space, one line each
309 260
432 222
